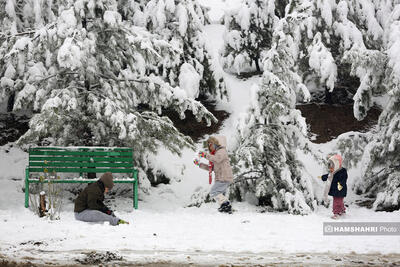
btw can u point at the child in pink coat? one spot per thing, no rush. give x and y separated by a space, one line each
337 177
220 165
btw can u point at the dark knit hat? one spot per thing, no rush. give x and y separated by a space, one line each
107 180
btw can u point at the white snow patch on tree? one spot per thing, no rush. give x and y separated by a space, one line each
68 17
189 80
326 12
10 72
69 55
113 18
6 82
183 19
160 14
244 18
22 42
322 62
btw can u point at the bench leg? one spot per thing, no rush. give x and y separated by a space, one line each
26 188
135 190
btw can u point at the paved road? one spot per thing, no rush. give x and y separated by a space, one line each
194 258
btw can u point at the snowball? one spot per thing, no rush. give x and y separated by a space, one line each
189 80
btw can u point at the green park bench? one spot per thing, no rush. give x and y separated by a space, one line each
45 163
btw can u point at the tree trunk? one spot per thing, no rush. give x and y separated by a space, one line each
257 65
10 102
328 97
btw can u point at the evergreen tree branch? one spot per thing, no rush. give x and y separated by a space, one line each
242 177
123 80
55 75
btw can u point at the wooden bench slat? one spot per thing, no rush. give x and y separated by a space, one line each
80 148
79 159
80 170
78 181
82 153
80 164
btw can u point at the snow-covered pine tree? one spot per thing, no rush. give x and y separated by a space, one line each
85 74
336 39
18 18
265 159
379 74
328 30
180 23
248 33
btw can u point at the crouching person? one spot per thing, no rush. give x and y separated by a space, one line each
219 163
89 206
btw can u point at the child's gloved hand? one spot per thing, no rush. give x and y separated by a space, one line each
319 177
202 154
339 186
196 162
122 222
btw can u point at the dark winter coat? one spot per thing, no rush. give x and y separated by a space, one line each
91 198
339 177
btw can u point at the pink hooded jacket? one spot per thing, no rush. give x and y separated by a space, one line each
222 166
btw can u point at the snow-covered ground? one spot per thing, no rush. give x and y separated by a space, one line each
164 230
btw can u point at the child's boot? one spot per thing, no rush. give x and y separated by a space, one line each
335 216
225 207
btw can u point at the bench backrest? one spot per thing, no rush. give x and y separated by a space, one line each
81 160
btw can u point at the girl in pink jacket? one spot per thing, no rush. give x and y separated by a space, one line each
219 163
